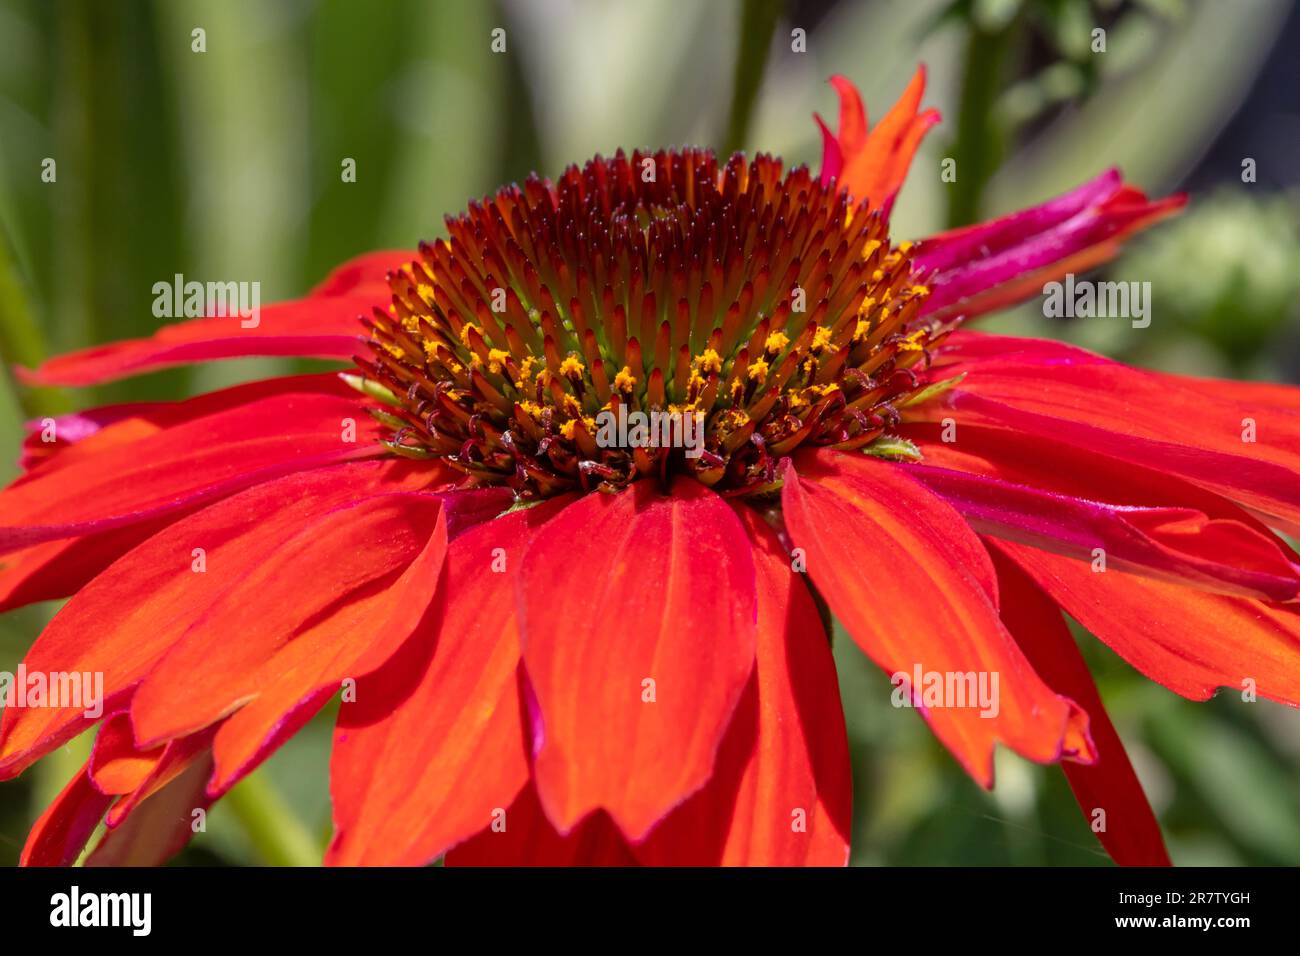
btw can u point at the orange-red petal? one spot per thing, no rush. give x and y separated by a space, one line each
638 632
916 590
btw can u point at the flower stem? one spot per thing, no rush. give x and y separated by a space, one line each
979 145
757 24
20 339
271 826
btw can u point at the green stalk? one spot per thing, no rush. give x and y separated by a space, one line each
276 833
20 339
757 25
980 142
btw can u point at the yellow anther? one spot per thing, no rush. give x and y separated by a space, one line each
914 342
708 361
425 292
757 370
571 367
525 373
821 338
497 360
465 330
775 342
625 381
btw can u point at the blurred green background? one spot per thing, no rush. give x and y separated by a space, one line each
226 164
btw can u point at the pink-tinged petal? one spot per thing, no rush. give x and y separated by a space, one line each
59 836
109 425
47 436
915 589
781 793
91 488
524 837
624 598
872 164
1146 622
432 747
977 269
1176 544
325 325
1129 830
305 590
161 825
1058 392
832 155
122 623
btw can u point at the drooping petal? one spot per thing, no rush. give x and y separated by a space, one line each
177 757
88 489
59 836
161 825
917 591
638 614
525 837
322 325
872 164
991 265
1127 826
1233 639
122 622
1058 392
781 793
303 591
1176 544
433 746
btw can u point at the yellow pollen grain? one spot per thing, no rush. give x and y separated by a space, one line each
625 381
708 361
568 428
497 360
775 342
571 367
411 323
425 292
757 370
905 246
914 342
920 290
525 373
464 333
870 248
821 338
533 409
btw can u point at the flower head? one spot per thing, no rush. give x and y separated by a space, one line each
556 647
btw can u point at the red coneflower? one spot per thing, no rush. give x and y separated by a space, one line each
557 649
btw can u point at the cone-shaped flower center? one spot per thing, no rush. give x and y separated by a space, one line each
646 315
